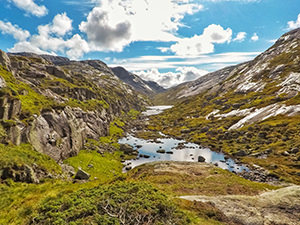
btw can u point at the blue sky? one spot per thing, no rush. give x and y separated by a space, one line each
168 41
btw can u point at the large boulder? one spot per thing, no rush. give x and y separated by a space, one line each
126 148
201 158
82 175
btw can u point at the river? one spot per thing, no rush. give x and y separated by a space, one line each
171 149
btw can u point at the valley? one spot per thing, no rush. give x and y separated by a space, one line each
78 145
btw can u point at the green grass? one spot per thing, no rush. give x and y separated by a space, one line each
86 105
133 114
105 168
25 154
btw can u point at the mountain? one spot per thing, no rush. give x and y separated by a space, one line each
251 110
56 104
137 83
272 65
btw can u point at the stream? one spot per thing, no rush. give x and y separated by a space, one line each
171 149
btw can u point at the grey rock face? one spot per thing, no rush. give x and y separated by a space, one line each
62 134
24 173
4 60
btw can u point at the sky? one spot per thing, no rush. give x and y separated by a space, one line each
167 41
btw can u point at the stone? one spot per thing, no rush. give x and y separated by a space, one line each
204 129
169 152
161 151
4 60
56 71
82 175
126 148
128 168
294 150
240 153
2 82
201 158
285 153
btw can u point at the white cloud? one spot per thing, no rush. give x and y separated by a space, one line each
31 7
50 39
115 24
18 33
272 41
25 46
255 37
213 61
61 24
169 79
105 33
240 37
294 24
204 43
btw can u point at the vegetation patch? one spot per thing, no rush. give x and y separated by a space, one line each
195 179
104 168
121 203
24 154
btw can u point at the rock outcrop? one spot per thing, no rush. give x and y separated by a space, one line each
275 207
56 104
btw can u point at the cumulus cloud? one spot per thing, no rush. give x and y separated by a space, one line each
25 46
204 43
51 39
31 7
105 33
18 33
240 37
294 24
114 24
255 37
169 79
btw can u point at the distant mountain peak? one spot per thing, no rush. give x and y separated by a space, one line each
137 83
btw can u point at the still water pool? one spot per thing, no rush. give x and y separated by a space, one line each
171 149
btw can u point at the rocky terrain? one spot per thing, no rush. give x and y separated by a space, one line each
250 111
274 207
145 87
56 105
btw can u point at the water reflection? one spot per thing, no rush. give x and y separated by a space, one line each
154 110
188 152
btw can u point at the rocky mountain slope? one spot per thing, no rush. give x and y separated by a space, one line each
277 64
137 83
56 104
251 110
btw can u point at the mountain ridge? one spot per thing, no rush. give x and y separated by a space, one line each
145 87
